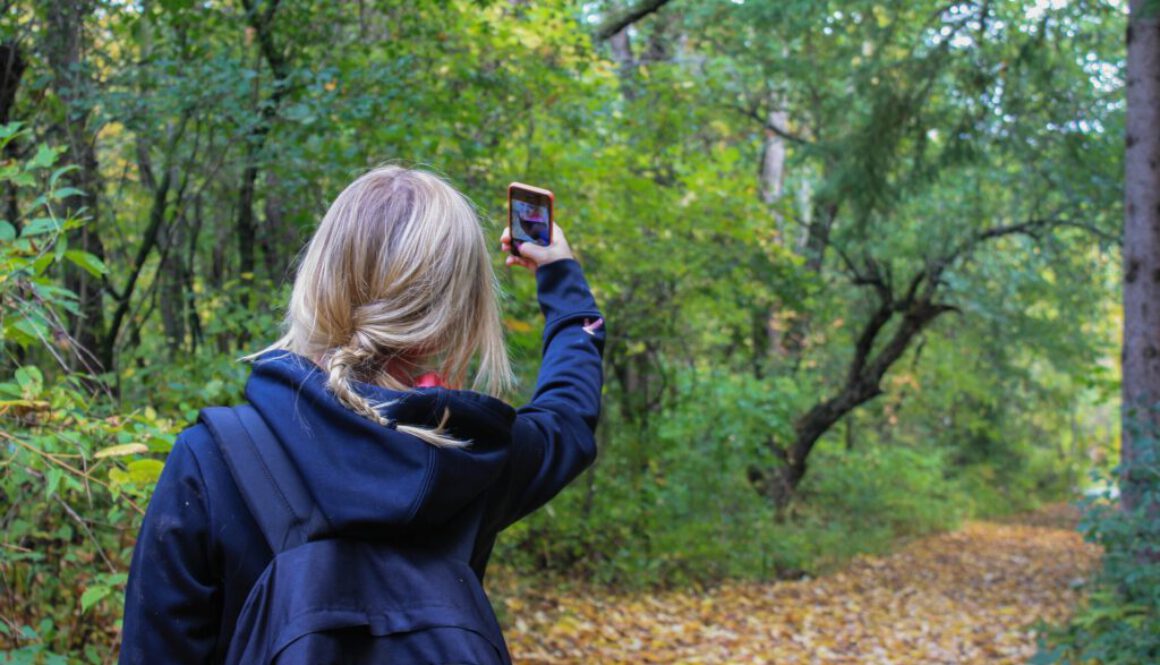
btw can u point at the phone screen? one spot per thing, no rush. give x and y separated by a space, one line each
531 217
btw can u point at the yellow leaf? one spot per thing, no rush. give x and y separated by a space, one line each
515 325
121 450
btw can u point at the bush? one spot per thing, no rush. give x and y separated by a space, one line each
671 505
76 473
1119 624
880 493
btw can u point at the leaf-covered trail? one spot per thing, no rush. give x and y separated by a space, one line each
970 596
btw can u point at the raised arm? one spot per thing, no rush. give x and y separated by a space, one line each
554 434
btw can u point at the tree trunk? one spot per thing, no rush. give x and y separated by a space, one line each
11 70
1141 355
769 323
621 45
260 18
863 383
277 234
63 45
172 276
773 160
12 67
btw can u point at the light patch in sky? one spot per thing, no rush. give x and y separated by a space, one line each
1041 7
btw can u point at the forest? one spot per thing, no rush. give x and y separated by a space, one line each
864 263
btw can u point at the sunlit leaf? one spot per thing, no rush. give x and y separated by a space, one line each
121 450
146 471
91 264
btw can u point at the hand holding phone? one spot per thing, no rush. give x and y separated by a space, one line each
532 238
533 256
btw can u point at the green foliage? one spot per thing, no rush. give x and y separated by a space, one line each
33 249
1119 624
75 472
690 515
912 128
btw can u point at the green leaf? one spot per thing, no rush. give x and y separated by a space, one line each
93 595
118 477
16 332
60 172
9 130
45 157
42 263
91 264
40 226
145 472
65 192
7 231
30 380
22 179
52 479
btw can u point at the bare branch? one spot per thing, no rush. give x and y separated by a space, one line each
780 131
870 276
621 20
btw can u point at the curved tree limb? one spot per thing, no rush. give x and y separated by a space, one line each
784 133
908 314
622 19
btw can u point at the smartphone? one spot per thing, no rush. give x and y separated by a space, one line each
530 211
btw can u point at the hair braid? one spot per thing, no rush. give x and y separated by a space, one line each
343 367
349 362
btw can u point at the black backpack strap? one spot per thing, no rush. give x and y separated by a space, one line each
265 476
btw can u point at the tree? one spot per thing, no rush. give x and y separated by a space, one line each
1141 358
891 105
64 40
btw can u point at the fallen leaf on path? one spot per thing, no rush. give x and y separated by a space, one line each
971 596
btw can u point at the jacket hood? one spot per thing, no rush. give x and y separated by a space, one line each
365 476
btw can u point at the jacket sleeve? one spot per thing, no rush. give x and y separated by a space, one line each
554 435
173 597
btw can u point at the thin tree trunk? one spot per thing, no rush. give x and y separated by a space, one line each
1141 359
277 235
12 67
773 160
172 276
64 42
260 16
769 324
621 45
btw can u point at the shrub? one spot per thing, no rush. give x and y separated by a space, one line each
671 505
1119 624
76 473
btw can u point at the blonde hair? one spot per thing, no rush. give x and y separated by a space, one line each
398 272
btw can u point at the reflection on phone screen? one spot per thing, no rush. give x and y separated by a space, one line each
530 222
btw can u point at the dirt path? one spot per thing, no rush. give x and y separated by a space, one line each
971 596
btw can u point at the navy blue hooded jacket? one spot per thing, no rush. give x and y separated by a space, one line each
200 551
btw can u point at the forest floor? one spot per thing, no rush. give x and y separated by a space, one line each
968 596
